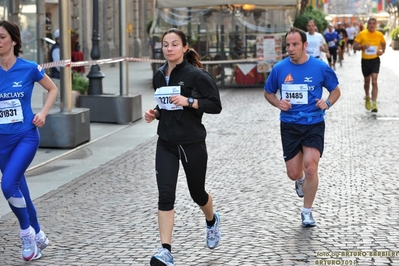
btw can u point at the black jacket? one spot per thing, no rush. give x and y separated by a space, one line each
185 126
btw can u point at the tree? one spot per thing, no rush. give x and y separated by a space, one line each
309 13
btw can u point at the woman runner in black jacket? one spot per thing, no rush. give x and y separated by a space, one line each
184 91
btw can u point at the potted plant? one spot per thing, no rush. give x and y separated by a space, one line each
80 86
395 38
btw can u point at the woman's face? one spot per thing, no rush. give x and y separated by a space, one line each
5 41
172 48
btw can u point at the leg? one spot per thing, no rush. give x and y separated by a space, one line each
374 83
195 164
367 86
311 163
13 183
167 168
195 169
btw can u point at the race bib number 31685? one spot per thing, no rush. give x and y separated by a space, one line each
162 96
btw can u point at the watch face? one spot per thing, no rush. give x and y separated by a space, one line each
190 100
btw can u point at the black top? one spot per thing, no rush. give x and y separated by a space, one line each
185 126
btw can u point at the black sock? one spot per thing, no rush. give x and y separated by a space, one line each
211 223
167 246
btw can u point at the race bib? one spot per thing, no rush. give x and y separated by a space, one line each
296 93
331 44
372 50
162 97
11 112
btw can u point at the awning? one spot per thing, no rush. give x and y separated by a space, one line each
186 3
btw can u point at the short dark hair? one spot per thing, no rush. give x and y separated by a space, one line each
301 33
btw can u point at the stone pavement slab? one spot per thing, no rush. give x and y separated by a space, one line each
107 216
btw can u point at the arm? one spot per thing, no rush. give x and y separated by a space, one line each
283 105
40 118
332 98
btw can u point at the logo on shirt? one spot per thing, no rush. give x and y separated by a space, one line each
17 84
288 79
308 79
181 83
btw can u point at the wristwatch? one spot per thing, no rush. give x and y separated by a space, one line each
190 101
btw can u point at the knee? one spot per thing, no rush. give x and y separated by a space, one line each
8 189
166 202
294 174
200 198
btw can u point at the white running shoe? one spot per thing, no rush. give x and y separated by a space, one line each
213 233
41 240
29 248
162 258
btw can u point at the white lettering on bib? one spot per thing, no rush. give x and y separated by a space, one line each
162 96
11 112
372 50
296 93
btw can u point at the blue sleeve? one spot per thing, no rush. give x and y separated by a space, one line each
271 85
38 73
330 79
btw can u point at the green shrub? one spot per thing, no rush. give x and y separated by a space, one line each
310 13
80 83
395 34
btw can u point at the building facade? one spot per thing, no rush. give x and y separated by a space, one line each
38 19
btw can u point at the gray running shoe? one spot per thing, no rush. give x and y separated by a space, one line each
307 219
299 188
213 233
162 258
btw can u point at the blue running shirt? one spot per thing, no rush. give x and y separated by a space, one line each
302 84
16 89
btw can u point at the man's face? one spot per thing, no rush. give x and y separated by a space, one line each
295 48
311 27
371 25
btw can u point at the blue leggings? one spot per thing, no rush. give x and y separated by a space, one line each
16 153
194 158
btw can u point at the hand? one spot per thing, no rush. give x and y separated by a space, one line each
39 120
179 100
320 103
150 115
284 105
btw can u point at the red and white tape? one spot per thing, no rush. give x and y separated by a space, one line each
69 63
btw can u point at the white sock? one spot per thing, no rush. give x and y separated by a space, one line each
26 231
302 179
306 210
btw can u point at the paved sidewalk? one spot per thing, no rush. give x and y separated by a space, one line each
107 215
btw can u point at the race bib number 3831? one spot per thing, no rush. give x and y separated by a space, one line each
296 93
11 112
162 96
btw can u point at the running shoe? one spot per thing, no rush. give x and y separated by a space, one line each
29 248
368 104
41 240
307 219
374 108
213 233
299 188
162 258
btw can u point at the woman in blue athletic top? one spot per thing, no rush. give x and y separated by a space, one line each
19 136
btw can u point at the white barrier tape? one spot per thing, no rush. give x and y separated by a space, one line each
69 63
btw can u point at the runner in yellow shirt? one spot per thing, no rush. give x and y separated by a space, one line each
372 44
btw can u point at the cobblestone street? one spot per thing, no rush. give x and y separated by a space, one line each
108 216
